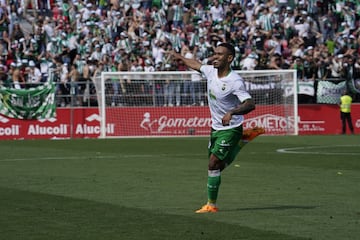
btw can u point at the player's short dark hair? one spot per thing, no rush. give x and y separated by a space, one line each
229 47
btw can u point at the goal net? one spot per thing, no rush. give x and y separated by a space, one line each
169 103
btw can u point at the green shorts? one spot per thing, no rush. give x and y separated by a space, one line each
225 143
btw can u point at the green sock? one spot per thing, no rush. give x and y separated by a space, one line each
213 184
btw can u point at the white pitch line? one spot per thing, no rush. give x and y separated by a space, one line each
52 158
302 150
97 157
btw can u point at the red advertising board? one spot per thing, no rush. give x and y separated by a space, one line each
183 121
155 121
85 124
325 119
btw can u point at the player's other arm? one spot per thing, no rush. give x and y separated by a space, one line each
245 107
191 63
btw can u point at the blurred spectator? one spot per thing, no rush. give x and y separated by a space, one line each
172 89
33 75
266 34
148 84
336 66
74 77
178 9
64 86
217 12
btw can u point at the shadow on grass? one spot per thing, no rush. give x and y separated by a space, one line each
280 208
41 216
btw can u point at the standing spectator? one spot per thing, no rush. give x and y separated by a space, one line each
158 15
86 11
97 54
18 80
66 6
4 20
159 87
124 42
44 8
158 51
275 62
167 88
266 19
309 68
196 89
297 46
336 66
49 28
249 12
349 16
217 12
202 48
5 75
44 65
188 84
74 77
64 86
174 39
194 38
250 62
85 86
52 47
327 28
148 84
199 13
349 72
17 32
323 68
345 112
203 28
312 8
178 9
34 75
298 65
160 33
135 88
13 17
172 89
120 86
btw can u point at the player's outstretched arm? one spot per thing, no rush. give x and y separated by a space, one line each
191 63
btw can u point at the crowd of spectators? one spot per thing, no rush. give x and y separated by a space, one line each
80 39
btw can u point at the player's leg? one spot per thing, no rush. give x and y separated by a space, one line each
251 133
221 145
213 184
247 135
351 127
343 122
223 148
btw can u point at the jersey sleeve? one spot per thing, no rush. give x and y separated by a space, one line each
207 70
240 91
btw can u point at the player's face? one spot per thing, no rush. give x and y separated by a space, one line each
222 58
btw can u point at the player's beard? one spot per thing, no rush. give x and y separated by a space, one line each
216 64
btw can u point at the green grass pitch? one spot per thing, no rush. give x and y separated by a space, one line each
298 187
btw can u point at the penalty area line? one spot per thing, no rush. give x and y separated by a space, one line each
304 150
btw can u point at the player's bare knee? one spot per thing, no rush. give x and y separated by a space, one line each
215 163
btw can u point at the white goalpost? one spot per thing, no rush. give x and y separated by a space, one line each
173 103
